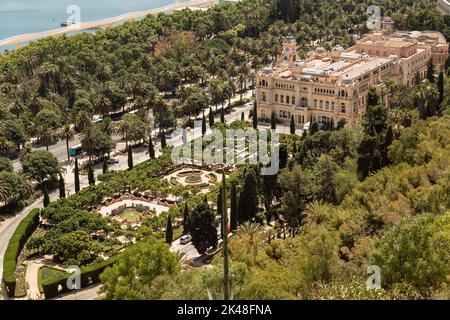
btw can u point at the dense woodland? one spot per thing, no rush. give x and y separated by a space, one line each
344 198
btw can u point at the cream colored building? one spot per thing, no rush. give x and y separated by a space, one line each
329 86
443 6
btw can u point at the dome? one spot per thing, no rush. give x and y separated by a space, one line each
338 48
347 80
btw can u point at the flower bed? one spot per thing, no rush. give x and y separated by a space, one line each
193 179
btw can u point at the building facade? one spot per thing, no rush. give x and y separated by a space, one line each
330 86
443 6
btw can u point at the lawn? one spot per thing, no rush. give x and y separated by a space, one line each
46 273
131 214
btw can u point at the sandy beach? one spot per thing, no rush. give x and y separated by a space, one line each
25 38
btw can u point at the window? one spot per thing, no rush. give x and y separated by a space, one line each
282 99
332 106
321 104
276 98
264 97
315 104
327 105
343 108
287 99
304 102
293 100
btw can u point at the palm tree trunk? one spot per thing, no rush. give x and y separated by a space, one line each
67 148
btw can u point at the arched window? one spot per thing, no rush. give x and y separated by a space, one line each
304 102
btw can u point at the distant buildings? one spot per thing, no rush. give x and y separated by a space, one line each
443 6
329 86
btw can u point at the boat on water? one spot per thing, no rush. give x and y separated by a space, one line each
66 23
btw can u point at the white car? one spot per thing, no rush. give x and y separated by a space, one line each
185 239
113 161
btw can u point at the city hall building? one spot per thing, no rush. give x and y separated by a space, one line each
329 86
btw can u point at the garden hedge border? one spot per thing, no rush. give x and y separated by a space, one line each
20 236
89 275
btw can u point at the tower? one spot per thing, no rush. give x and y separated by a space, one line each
289 54
387 24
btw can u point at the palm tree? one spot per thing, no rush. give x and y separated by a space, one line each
401 98
67 133
6 147
4 191
427 96
317 212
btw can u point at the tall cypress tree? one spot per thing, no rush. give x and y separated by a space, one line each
292 125
233 208
226 286
242 116
211 117
430 71
91 177
77 176
105 166
62 187
203 124
219 201
169 230
46 199
130 158
273 121
222 115
440 85
151 148
186 219
163 140
248 199
255 115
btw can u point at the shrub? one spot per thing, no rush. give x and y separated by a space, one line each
23 232
89 274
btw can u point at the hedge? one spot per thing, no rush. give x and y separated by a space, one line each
23 232
89 274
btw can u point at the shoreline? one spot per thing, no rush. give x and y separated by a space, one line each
108 22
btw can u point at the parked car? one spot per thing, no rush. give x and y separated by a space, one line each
185 239
113 161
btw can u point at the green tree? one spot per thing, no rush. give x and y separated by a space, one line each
46 199
185 219
169 230
255 115
67 133
233 208
222 115
62 187
440 85
77 176
203 227
211 118
132 275
273 121
151 147
6 165
91 176
75 247
105 166
292 126
163 140
40 165
430 71
130 158
415 251
248 198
